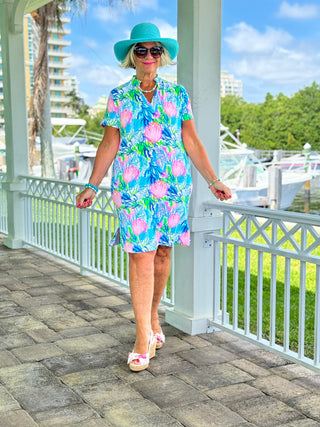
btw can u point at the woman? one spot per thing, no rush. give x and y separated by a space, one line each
150 135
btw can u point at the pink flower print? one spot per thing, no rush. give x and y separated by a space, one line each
153 132
128 247
159 189
139 226
173 220
116 197
111 107
157 114
170 109
185 238
130 173
189 107
158 236
125 117
178 168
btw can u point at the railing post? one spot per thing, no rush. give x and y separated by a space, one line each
84 240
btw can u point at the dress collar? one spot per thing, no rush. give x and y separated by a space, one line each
136 82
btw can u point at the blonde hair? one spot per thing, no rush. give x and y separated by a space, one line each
130 59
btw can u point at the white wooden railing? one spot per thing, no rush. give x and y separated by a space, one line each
79 236
267 279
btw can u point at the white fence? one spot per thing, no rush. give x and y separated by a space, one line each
267 279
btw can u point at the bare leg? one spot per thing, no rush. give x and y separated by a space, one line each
162 262
141 277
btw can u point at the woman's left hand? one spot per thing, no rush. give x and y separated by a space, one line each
221 191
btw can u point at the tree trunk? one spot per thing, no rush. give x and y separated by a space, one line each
47 161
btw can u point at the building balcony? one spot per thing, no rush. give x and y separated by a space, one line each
58 65
63 31
60 42
59 76
59 53
60 87
61 110
57 98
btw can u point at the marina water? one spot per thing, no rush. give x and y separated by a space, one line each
298 204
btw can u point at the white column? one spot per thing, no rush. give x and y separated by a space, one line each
15 114
199 36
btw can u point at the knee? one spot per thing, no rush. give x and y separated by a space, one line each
163 252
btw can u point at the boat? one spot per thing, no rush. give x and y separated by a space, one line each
248 176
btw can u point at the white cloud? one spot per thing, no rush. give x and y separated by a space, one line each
272 57
297 11
145 4
90 43
107 13
166 30
242 38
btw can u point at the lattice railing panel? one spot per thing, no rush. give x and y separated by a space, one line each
267 289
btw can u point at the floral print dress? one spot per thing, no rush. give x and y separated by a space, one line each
151 182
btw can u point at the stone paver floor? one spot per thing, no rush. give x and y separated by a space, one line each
64 340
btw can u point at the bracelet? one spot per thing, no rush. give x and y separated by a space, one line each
212 182
93 187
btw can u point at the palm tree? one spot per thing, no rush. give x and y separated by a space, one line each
76 103
39 112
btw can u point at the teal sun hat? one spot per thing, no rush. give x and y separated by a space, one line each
145 32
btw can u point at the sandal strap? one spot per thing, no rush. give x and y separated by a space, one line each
141 358
160 337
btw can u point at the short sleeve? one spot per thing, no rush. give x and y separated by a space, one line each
186 110
112 116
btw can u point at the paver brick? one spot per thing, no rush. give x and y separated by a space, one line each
250 367
234 392
265 411
88 377
208 377
7 402
292 371
8 359
311 382
17 418
279 387
36 352
102 396
138 412
208 355
36 388
205 414
309 405
64 416
15 340
168 391
87 343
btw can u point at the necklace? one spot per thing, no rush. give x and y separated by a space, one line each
148 91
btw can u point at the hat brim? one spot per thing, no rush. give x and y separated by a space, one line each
122 48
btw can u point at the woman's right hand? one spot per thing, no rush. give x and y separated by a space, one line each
85 198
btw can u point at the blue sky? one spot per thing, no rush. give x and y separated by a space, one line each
271 45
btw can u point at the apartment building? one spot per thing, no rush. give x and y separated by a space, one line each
229 85
61 83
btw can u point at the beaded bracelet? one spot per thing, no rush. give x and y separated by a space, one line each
213 181
93 187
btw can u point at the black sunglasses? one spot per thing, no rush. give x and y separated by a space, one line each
142 52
